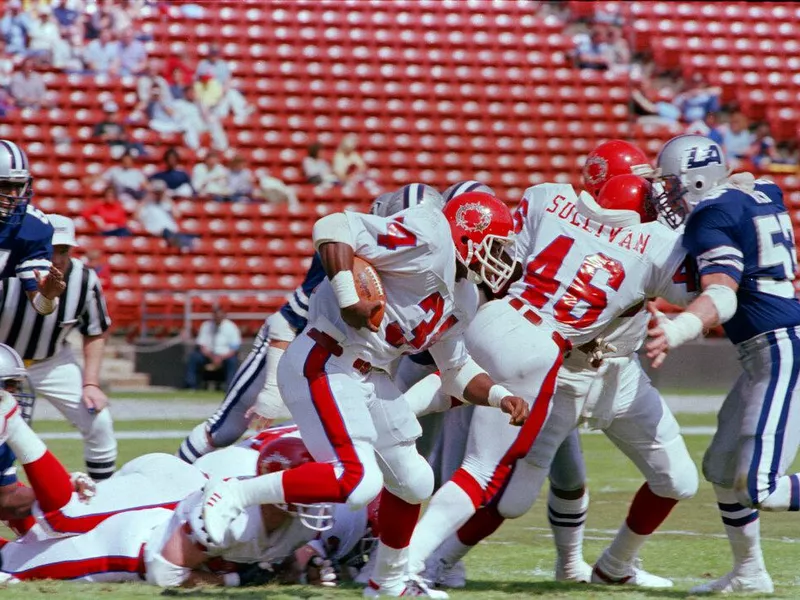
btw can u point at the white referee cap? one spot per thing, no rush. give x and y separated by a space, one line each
64 230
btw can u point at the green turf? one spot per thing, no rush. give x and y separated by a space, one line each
186 395
140 425
518 561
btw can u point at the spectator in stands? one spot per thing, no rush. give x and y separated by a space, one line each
8 65
150 79
129 182
132 54
196 120
240 179
736 138
44 40
94 260
218 341
591 50
652 106
764 152
177 74
27 86
6 103
618 50
176 179
124 13
316 169
66 18
159 217
112 132
348 165
107 215
274 190
229 99
698 99
14 27
102 56
210 177
708 127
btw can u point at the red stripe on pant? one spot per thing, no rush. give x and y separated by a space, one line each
527 434
61 523
317 482
83 567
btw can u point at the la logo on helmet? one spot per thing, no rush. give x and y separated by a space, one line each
702 157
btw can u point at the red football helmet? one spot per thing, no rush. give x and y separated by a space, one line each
612 158
287 453
629 192
483 232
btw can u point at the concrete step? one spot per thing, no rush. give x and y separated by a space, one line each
134 381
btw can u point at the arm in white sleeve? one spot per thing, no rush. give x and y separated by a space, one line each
332 228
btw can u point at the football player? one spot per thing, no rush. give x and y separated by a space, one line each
334 377
740 233
25 233
253 399
585 265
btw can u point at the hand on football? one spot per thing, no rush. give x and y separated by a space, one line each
50 285
657 345
358 315
516 407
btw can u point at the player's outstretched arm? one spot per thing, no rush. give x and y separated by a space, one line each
715 306
49 287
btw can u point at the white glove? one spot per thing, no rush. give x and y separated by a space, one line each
595 356
326 572
84 486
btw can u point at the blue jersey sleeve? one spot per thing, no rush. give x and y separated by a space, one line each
711 238
295 311
35 248
8 473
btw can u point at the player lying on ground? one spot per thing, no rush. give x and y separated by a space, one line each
740 233
133 529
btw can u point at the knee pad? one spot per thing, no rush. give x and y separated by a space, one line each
367 489
416 485
680 484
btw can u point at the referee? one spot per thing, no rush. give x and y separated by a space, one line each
41 341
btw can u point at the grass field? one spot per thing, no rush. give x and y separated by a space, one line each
518 561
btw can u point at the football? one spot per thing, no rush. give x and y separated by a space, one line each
369 286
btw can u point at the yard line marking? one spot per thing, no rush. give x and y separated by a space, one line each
613 532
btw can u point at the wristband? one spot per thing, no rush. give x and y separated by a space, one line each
91 385
344 288
45 306
231 580
683 328
496 395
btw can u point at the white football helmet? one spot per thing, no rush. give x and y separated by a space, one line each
690 166
14 379
413 194
463 187
16 183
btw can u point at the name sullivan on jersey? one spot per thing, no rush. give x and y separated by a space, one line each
629 240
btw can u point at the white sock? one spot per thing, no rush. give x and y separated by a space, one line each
264 489
391 566
23 441
568 522
622 552
744 532
195 445
452 550
448 510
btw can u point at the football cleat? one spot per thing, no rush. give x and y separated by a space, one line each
631 574
222 503
411 587
737 584
441 574
580 572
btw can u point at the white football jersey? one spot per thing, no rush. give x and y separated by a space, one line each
415 257
579 273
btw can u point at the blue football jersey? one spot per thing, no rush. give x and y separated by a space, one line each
295 311
748 236
26 247
8 473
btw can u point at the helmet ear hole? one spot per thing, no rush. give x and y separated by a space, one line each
464 239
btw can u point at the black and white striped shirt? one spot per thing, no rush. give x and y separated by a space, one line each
36 336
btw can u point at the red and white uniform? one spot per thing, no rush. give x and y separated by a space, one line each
580 273
335 379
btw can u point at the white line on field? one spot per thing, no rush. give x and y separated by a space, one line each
612 532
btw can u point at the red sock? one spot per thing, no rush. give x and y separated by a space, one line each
50 482
648 511
21 526
470 486
480 526
315 482
396 520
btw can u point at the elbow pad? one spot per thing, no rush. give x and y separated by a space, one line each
455 381
332 228
279 328
724 299
162 573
